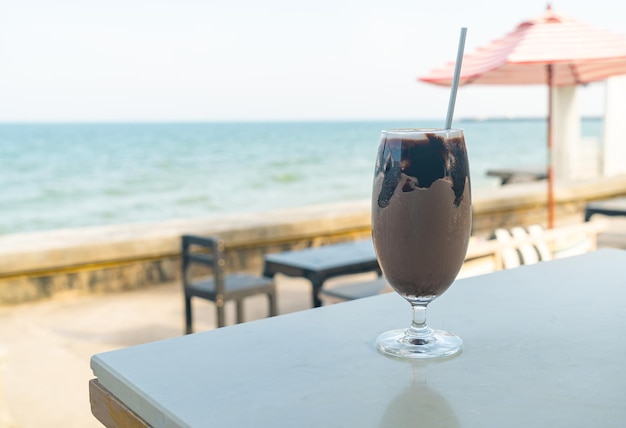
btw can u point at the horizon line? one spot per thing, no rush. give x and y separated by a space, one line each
482 118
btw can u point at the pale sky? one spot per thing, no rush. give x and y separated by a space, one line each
215 60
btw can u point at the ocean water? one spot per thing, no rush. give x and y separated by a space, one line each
71 175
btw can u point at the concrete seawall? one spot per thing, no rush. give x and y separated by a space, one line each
48 264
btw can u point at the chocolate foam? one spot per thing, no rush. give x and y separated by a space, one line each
423 161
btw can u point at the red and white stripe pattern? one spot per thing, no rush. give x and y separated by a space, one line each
578 53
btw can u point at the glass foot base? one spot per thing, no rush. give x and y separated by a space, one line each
400 344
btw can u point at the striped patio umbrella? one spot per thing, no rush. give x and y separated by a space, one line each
551 50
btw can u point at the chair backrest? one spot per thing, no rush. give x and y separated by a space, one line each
536 231
510 256
207 251
492 254
528 252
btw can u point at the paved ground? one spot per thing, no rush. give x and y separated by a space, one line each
45 347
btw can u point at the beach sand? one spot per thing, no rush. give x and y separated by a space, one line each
48 345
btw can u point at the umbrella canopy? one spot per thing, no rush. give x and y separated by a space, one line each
553 50
578 53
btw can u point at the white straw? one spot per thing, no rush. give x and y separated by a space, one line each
455 79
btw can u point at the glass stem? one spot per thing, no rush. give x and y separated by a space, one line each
419 328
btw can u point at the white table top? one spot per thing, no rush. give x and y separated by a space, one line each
545 346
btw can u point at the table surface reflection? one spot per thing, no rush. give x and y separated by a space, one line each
544 345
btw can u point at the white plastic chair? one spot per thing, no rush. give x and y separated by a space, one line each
510 256
536 231
528 252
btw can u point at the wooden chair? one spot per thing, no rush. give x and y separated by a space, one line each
219 288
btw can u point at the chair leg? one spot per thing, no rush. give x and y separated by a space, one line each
220 315
239 304
188 327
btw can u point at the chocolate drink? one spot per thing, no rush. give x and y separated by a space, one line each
421 210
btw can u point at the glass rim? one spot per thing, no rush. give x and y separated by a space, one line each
422 130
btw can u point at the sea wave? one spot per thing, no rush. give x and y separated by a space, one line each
70 175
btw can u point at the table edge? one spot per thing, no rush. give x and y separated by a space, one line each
110 410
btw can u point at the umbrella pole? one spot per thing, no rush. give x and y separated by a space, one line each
550 172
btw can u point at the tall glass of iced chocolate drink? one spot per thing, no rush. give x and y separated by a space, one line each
421 224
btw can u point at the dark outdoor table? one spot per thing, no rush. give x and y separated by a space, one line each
610 207
518 175
319 264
